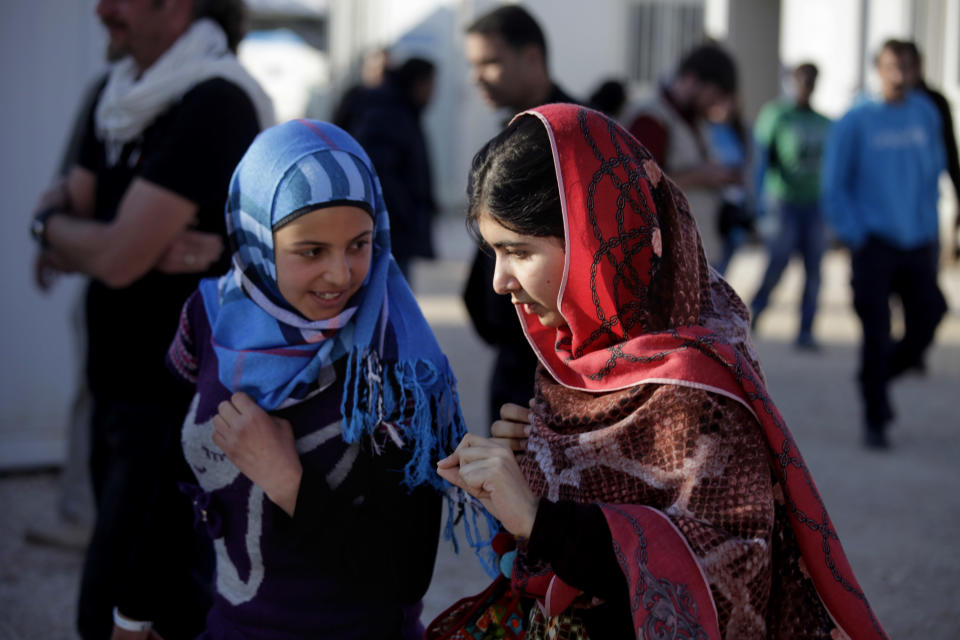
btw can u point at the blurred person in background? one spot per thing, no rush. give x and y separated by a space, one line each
387 123
609 98
507 52
728 143
790 137
140 213
913 76
73 520
880 187
373 70
672 125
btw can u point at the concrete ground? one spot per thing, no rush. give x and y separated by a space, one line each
897 512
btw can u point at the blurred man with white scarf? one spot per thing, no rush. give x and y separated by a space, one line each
141 214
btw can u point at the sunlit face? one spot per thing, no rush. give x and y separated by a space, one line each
529 269
498 70
322 259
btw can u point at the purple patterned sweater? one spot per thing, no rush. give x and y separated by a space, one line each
357 556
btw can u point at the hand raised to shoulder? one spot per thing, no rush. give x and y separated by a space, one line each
262 446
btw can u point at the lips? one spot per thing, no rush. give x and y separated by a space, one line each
328 298
528 306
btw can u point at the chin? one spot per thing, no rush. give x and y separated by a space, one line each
553 320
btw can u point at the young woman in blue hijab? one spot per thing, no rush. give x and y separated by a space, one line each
322 403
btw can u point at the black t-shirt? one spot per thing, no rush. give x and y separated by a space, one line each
192 150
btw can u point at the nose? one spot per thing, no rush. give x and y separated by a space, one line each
337 272
504 281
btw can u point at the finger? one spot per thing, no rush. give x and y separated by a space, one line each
514 444
282 423
228 412
484 451
477 475
452 476
452 460
205 244
243 402
514 413
219 440
505 429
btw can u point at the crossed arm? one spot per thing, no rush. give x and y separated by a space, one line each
151 230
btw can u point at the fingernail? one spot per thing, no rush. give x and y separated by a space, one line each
527 430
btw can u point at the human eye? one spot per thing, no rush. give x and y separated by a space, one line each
312 252
360 245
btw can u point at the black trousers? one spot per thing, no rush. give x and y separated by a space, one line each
879 271
142 543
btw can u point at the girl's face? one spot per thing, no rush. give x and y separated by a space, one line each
322 259
529 269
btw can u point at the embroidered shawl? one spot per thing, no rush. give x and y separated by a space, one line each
652 404
268 350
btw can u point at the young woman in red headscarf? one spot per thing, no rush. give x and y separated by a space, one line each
660 493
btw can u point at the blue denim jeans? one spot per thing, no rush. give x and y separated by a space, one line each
801 231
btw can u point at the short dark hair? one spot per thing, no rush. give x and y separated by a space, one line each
909 47
894 46
513 179
711 64
231 15
609 97
807 69
514 24
412 71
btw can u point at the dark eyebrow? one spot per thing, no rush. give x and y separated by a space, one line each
508 244
314 243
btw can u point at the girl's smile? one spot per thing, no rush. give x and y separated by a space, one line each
322 259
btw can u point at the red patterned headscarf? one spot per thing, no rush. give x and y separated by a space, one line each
642 306
635 282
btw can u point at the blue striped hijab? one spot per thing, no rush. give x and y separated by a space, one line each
268 350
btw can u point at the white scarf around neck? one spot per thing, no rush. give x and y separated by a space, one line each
130 102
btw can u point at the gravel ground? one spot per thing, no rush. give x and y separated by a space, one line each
897 512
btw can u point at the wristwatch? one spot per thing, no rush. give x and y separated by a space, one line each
38 226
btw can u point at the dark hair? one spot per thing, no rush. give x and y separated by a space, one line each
231 15
514 24
807 69
909 47
711 64
609 97
896 47
408 74
513 179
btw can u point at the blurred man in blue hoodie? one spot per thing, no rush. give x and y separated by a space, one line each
880 189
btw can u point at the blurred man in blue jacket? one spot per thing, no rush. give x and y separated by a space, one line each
880 190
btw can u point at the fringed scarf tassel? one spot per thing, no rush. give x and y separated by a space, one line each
415 395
